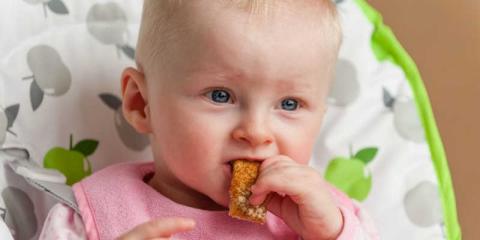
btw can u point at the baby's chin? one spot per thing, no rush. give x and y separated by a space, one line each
218 199
221 197
221 203
214 206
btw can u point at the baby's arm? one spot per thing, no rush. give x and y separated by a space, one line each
357 223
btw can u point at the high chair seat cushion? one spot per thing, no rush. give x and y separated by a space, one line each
60 101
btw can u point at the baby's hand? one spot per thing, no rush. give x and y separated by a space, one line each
159 229
298 196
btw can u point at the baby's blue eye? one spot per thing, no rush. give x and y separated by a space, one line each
220 96
289 104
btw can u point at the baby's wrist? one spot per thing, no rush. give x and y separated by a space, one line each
340 227
334 231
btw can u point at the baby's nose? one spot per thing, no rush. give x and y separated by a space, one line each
253 132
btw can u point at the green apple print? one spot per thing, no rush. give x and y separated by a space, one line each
71 162
350 174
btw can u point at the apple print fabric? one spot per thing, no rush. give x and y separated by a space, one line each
55 6
61 117
50 75
72 161
59 98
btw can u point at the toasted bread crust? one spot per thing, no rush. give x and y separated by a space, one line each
244 175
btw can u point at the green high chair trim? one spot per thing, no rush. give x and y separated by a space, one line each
386 47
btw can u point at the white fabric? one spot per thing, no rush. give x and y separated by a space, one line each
5 231
63 223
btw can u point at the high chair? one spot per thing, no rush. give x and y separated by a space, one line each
61 119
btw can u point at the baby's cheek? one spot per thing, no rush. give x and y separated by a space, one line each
302 150
200 143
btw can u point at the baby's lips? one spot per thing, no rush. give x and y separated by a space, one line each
267 200
248 159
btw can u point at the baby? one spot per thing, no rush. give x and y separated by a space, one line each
217 81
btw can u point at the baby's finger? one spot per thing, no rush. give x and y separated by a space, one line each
275 205
296 181
159 228
275 162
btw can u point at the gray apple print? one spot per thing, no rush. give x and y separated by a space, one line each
345 88
129 136
108 24
3 127
7 118
20 214
3 213
50 75
56 6
422 204
406 119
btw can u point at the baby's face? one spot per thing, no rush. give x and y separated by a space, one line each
232 89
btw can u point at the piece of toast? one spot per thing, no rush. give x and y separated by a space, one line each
243 177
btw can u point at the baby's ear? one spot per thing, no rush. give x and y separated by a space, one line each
135 100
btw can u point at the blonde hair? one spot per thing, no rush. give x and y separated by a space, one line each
159 26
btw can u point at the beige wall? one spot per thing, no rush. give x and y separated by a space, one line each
443 37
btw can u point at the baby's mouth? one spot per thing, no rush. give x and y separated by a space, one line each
228 168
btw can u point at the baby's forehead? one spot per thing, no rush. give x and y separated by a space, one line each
258 7
255 10
168 23
172 15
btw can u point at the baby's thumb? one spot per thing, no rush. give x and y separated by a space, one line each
159 228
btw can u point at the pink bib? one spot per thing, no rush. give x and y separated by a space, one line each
116 199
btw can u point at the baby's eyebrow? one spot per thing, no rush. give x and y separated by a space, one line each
294 85
212 73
